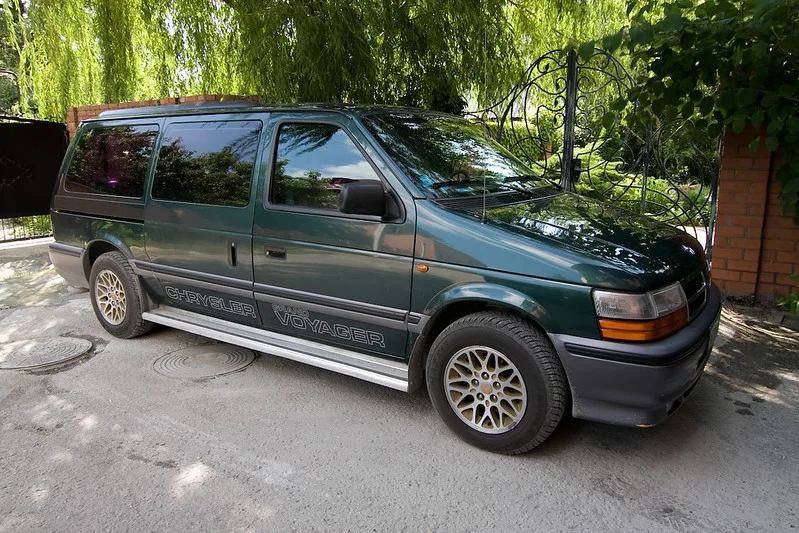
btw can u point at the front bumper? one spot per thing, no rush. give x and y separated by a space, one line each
638 384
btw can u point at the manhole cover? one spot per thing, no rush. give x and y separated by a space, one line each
205 361
41 353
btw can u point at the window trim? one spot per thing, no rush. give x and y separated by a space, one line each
204 119
99 126
271 206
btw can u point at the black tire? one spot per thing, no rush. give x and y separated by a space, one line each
540 369
132 324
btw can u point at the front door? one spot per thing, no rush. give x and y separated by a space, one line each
320 274
198 219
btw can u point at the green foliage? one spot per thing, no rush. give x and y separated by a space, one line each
791 301
727 63
606 179
528 141
415 53
544 25
25 227
428 53
8 94
9 58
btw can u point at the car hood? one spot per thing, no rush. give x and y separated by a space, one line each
616 240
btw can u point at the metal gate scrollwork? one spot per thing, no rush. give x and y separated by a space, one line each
555 119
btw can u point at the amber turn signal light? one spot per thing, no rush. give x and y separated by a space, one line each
644 330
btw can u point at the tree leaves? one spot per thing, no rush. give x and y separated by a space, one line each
747 96
586 50
609 120
772 143
757 118
611 43
641 35
738 123
424 52
732 63
672 23
706 105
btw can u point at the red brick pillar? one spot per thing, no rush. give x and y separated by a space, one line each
779 254
755 246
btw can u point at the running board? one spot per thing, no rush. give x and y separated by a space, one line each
384 372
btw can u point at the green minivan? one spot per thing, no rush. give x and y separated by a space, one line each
397 246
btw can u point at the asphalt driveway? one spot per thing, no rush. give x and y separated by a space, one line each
107 443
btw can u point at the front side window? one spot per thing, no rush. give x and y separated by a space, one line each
312 164
112 161
207 162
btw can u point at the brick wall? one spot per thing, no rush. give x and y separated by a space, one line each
75 115
755 246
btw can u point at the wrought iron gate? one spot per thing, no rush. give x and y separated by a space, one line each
561 118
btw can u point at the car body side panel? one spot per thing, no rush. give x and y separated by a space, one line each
83 232
342 280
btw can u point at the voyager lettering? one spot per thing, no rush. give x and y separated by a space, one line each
299 319
211 302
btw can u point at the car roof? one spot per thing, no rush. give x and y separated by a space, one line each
246 106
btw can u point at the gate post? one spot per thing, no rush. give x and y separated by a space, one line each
569 122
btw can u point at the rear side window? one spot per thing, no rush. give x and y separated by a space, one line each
112 160
313 163
207 162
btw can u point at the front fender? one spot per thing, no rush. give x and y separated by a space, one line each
491 294
482 292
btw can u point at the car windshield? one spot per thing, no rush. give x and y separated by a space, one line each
448 156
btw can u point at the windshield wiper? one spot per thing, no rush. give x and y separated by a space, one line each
449 183
521 178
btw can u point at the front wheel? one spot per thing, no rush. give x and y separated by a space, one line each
496 382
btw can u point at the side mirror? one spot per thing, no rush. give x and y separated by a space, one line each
363 198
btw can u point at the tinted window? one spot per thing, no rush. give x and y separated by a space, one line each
207 162
111 160
313 162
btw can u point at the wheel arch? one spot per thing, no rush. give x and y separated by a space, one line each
462 300
100 246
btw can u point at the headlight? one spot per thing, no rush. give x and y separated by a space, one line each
641 317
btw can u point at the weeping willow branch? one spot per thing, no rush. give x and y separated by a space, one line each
424 52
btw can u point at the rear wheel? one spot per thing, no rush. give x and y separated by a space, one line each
117 296
496 382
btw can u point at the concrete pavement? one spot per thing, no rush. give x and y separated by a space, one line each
107 444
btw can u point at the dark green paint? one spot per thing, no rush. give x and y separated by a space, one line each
85 231
541 257
354 259
564 237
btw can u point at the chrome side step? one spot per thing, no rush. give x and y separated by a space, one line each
384 372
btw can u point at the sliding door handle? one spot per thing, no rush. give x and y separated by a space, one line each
275 253
232 258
